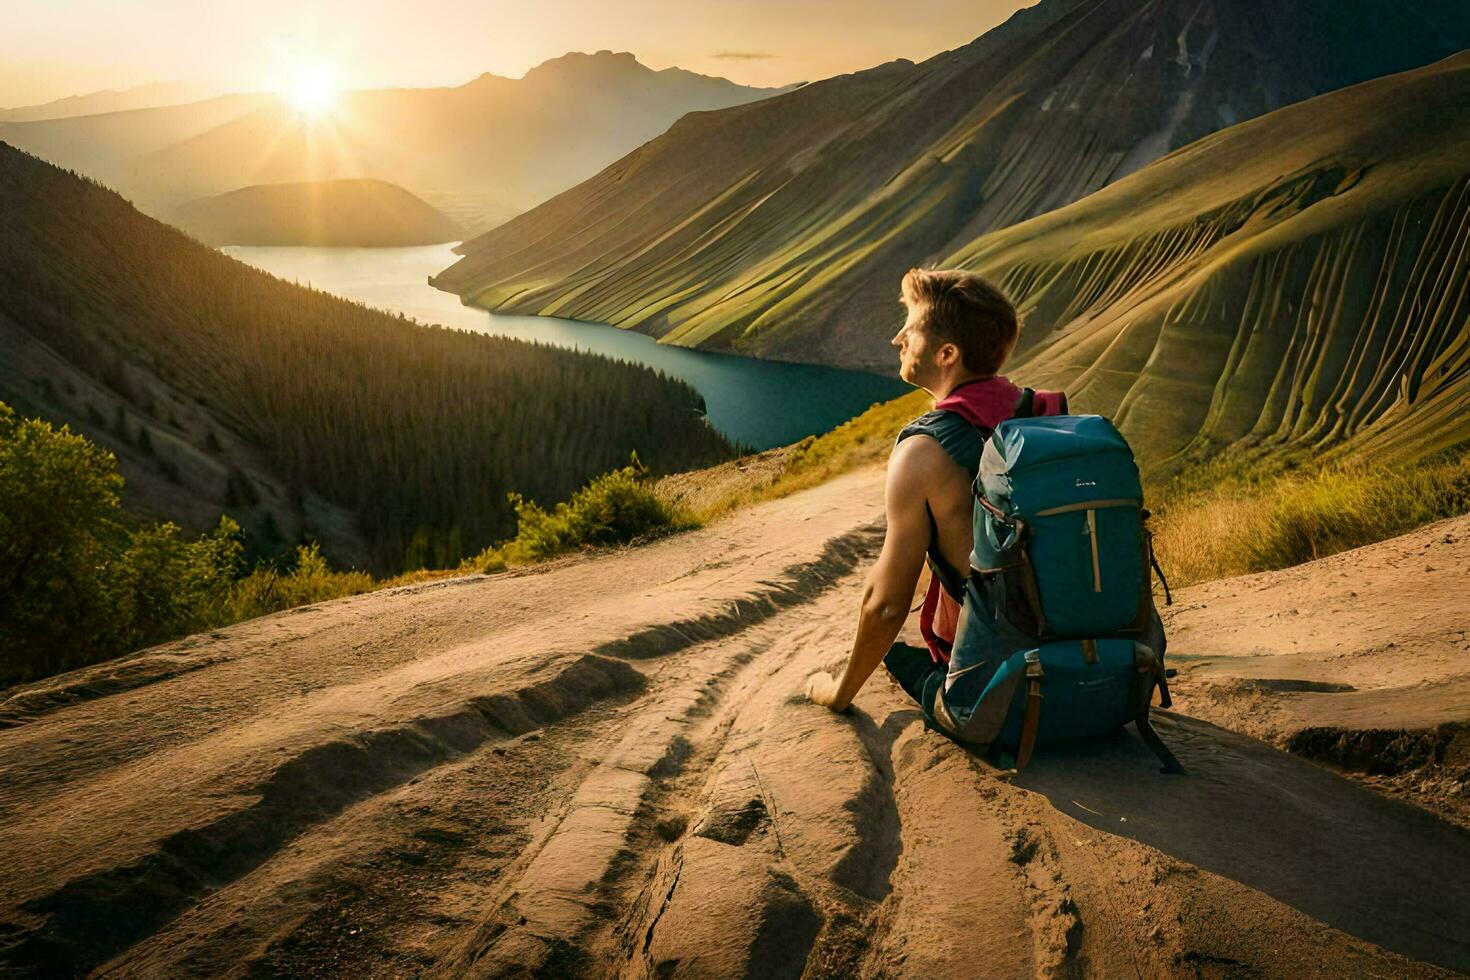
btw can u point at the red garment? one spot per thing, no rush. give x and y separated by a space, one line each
984 404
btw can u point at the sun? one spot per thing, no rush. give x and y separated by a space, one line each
312 91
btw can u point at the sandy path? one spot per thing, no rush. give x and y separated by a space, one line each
606 768
1361 659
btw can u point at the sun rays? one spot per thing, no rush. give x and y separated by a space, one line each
312 91
315 134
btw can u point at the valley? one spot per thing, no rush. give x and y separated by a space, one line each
751 402
781 228
304 416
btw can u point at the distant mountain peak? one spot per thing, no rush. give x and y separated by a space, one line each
579 64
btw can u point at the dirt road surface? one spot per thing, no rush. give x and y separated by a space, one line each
606 767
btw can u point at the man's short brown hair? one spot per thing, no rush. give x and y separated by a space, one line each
964 309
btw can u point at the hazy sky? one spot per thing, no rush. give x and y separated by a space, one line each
53 48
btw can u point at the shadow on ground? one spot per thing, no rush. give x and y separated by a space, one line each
1281 825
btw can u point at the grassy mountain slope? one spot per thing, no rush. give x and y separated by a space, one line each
482 151
222 388
1303 278
781 228
329 212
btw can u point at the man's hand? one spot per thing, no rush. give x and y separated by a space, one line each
822 688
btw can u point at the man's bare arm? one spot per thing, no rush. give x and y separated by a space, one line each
890 586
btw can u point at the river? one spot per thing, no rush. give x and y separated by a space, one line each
750 401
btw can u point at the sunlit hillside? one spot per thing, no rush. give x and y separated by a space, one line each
98 144
154 95
1302 279
782 228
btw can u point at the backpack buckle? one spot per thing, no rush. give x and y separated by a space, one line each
1033 665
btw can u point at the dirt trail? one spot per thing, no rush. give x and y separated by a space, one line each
606 767
1360 660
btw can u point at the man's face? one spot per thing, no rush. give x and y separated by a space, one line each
917 351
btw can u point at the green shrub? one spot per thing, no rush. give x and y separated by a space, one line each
77 584
615 508
60 528
268 590
164 585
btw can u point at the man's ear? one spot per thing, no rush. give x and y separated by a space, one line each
948 355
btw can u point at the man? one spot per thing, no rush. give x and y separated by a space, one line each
957 335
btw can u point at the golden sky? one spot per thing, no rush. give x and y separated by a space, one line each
54 48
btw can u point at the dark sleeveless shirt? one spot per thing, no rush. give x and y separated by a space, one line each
964 443
954 433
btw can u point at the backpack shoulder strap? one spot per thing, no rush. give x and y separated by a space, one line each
1026 406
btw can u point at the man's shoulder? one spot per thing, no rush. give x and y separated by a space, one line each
921 453
953 435
935 421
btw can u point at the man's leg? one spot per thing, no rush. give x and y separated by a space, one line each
910 665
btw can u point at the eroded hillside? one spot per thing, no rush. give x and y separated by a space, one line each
782 228
1302 279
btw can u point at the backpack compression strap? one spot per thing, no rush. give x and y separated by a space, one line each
1032 718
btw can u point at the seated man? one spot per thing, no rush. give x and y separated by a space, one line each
958 333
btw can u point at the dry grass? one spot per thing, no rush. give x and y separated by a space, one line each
1260 523
1230 517
1197 542
864 440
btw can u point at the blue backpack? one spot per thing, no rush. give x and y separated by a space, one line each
1059 603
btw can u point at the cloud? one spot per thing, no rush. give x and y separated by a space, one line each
743 55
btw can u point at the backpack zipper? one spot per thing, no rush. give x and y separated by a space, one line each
1092 533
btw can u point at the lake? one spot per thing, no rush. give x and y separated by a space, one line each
754 402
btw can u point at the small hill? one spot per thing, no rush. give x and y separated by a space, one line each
1298 280
481 152
221 388
781 228
329 212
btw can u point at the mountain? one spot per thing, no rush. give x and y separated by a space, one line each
1301 279
100 146
481 152
329 212
110 100
782 228
221 388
